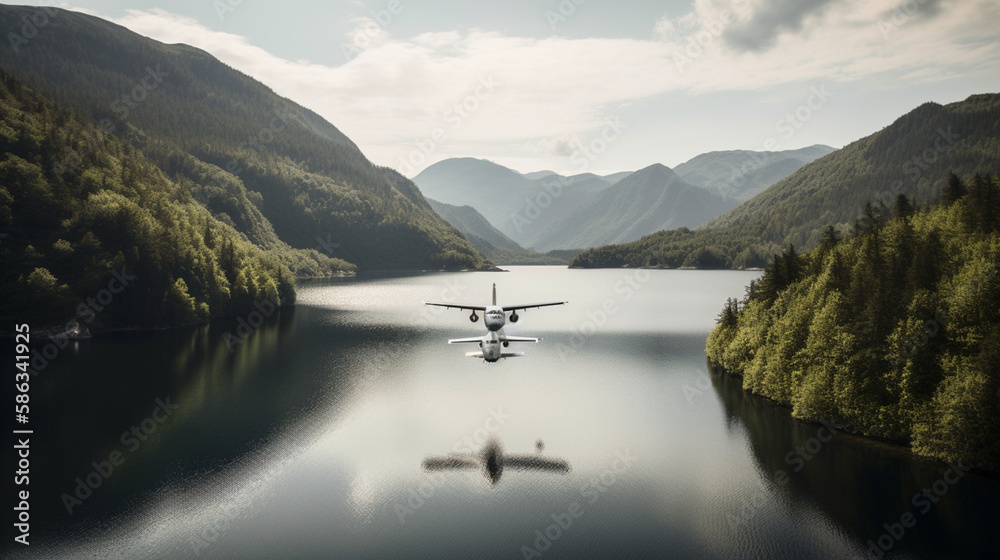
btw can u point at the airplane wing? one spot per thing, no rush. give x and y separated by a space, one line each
532 305
470 339
502 354
457 306
534 462
520 339
452 462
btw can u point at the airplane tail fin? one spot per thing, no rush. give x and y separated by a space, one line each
494 293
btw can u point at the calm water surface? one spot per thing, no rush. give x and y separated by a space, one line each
304 438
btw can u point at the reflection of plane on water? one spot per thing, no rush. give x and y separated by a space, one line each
495 317
493 462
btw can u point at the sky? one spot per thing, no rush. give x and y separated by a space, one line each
590 85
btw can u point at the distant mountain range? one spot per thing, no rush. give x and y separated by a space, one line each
490 241
544 210
913 156
743 174
521 206
648 200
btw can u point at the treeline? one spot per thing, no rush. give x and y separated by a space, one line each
682 248
111 242
893 331
275 171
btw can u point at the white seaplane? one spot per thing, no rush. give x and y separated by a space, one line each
492 344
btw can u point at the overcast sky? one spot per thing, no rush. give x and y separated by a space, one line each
591 85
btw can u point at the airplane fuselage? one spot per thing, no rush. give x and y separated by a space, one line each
492 346
494 318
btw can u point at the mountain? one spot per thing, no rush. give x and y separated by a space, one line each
892 333
278 173
539 174
471 222
113 243
519 205
913 156
648 200
742 174
490 241
615 177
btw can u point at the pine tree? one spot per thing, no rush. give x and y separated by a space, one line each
953 190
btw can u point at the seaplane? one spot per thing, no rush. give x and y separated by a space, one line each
492 344
493 461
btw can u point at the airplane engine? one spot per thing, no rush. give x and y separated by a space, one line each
514 317
506 343
473 317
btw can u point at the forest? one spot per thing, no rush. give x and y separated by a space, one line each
891 330
275 171
114 225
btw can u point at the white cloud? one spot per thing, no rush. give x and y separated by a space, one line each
395 92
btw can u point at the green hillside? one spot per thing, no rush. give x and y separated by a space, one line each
893 332
913 156
112 242
274 170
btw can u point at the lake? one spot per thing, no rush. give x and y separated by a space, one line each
300 433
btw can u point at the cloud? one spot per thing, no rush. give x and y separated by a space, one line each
395 93
769 19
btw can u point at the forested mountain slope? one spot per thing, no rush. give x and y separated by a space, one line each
893 332
111 242
913 156
275 170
